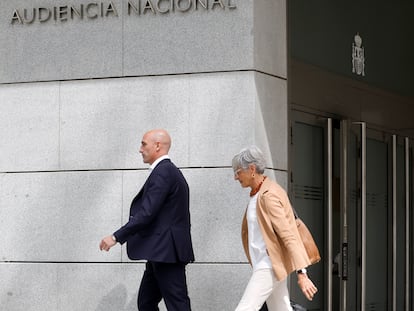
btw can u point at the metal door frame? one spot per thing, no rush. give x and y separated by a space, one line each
344 130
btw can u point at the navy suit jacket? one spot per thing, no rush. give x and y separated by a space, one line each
159 223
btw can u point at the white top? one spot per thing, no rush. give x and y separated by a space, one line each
257 246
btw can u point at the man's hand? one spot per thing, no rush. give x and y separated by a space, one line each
306 285
106 243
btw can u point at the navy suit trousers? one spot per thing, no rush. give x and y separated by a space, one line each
164 281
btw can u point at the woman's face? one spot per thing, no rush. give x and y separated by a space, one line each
243 175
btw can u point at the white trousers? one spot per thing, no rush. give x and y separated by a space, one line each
264 287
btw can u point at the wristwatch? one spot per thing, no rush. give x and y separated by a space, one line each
301 271
113 238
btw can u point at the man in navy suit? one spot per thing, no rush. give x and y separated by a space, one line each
158 229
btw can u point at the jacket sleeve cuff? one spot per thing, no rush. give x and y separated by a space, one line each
119 237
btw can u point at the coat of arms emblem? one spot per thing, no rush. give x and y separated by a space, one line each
358 57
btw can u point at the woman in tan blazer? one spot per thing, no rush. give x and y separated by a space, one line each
270 238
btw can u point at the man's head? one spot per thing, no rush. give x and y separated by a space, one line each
154 144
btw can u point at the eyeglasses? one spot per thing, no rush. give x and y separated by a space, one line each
237 172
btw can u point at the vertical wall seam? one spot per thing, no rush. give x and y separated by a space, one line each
122 41
122 205
59 126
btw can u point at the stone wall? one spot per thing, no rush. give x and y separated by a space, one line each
77 94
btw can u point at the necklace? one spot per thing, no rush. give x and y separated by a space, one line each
256 190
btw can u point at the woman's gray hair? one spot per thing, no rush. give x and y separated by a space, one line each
247 156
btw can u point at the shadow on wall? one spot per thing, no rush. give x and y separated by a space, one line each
116 299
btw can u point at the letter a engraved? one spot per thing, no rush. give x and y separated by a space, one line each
16 18
148 6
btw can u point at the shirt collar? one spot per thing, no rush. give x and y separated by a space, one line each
155 163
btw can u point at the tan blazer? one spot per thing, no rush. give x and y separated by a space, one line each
278 227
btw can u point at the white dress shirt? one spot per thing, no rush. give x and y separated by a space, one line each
154 164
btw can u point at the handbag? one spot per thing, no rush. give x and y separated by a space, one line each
307 239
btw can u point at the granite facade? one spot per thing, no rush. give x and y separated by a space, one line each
76 94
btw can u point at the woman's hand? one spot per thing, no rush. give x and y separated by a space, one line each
306 285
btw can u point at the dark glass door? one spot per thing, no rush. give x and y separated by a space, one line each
351 185
309 195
